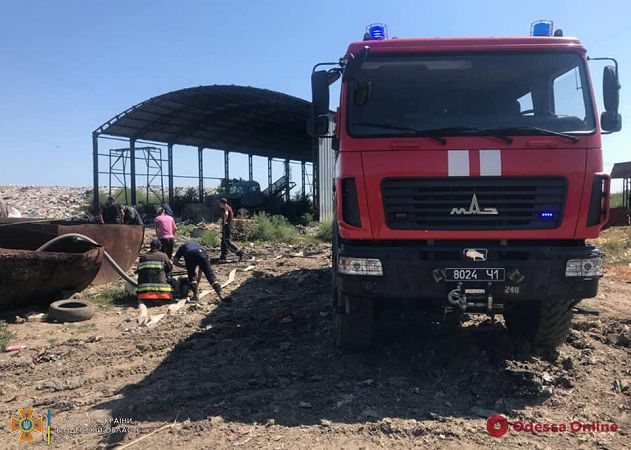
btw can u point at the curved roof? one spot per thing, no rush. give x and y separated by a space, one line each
621 170
235 118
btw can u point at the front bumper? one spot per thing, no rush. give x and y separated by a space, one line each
408 269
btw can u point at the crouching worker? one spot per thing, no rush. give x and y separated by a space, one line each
154 268
195 256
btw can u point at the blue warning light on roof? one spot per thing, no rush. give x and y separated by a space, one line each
377 31
541 28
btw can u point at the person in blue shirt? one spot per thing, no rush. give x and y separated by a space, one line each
195 256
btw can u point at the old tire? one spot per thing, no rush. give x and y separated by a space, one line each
353 322
70 310
545 324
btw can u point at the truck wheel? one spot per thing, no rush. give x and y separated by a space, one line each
546 324
353 330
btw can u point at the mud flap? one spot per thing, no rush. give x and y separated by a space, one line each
353 322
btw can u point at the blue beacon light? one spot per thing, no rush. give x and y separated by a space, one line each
377 31
541 28
546 215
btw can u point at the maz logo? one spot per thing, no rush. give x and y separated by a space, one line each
474 209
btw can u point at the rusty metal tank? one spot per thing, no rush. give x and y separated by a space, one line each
122 242
29 277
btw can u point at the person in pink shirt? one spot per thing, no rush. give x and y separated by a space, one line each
165 231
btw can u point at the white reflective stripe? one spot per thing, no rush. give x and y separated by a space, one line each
458 163
490 163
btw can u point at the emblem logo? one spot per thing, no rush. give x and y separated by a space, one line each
26 424
476 254
474 209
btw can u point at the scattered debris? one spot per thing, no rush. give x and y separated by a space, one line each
618 386
143 315
66 384
14 348
35 317
582 309
177 306
230 279
45 356
145 436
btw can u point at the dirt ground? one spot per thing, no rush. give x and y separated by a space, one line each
263 372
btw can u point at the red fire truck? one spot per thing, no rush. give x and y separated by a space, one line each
468 177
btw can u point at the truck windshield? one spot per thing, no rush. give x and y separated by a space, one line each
407 95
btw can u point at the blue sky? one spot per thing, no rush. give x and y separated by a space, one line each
68 66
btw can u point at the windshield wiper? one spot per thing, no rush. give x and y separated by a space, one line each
535 130
392 126
470 131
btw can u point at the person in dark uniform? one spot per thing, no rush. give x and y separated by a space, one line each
195 256
227 217
154 269
131 216
111 212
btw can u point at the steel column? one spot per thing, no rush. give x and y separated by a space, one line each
200 167
303 169
269 175
170 171
316 175
132 168
226 164
287 178
95 172
250 172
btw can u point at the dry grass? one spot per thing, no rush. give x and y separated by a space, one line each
615 242
5 336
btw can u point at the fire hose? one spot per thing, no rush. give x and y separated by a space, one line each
108 258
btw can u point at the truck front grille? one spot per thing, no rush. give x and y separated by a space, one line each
473 203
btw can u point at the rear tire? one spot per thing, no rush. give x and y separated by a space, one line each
545 324
353 322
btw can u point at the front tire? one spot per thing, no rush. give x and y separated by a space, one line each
545 324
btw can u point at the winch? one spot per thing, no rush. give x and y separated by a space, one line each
474 299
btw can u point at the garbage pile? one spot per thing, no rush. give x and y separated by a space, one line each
54 202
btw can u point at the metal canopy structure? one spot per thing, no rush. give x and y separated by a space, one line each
242 119
233 118
623 170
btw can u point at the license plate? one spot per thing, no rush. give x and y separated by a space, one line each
479 274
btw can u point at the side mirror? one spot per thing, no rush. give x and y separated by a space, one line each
320 92
319 103
611 89
610 121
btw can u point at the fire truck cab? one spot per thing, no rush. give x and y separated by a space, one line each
469 176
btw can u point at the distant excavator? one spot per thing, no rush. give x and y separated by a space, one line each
241 194
247 193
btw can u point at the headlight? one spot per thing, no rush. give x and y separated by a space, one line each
590 267
359 266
